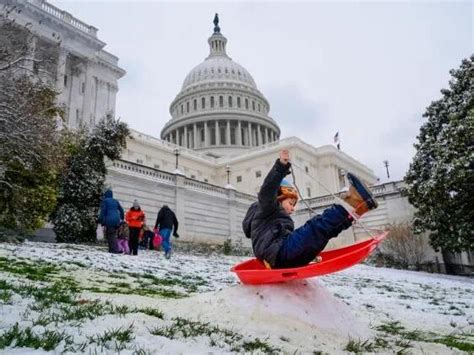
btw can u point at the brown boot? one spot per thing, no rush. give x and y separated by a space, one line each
359 196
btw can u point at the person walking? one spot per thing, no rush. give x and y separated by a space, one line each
111 214
135 219
166 221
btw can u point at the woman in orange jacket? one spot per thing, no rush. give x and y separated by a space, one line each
135 219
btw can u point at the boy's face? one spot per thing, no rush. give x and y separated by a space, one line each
288 205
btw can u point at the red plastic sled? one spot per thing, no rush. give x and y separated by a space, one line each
253 272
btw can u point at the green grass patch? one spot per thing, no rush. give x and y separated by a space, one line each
358 346
218 337
37 271
113 339
151 312
26 338
455 342
5 296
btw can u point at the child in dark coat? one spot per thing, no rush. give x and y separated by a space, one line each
268 223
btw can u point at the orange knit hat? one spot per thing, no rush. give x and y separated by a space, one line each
286 191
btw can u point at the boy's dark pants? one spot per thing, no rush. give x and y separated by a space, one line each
111 236
306 242
133 240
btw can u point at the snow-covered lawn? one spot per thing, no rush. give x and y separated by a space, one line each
73 298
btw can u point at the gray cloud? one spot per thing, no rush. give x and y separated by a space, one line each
365 69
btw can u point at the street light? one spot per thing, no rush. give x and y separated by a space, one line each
385 163
176 153
227 169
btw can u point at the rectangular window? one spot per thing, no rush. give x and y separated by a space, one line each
187 107
139 161
306 169
156 166
65 80
258 107
253 105
212 132
195 104
239 178
230 101
212 101
202 135
182 109
247 104
221 101
203 102
308 191
238 102
222 134
232 135
258 173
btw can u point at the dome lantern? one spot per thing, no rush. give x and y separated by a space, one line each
217 41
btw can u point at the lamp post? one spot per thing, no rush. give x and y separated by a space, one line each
227 169
176 153
385 163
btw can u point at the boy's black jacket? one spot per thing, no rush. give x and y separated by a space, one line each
266 222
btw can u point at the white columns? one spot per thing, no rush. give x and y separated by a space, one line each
250 134
185 141
206 135
195 145
217 133
239 134
227 138
259 135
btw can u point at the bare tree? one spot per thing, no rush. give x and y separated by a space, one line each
405 247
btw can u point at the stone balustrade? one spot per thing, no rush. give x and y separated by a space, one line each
65 16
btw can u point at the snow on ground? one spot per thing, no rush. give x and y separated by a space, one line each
194 304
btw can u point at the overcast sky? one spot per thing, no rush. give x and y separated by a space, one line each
365 69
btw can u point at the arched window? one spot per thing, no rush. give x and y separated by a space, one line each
238 102
221 101
253 105
203 102
212 101
230 101
247 103
195 104
258 107
182 108
187 107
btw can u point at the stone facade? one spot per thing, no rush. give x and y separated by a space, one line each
85 74
318 171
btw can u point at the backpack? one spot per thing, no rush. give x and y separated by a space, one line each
247 222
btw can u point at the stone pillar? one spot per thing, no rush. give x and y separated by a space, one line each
195 145
267 136
185 141
238 138
259 136
180 204
227 136
232 216
206 135
217 133
61 70
250 134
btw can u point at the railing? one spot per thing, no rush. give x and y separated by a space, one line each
65 16
108 57
136 169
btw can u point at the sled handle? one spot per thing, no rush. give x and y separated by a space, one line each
289 274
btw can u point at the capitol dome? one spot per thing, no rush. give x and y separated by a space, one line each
220 110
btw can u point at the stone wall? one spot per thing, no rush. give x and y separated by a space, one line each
206 213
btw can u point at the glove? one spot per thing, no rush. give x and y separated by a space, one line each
176 235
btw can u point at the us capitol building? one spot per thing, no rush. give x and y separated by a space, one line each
213 153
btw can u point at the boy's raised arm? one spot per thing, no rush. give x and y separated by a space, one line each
267 197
